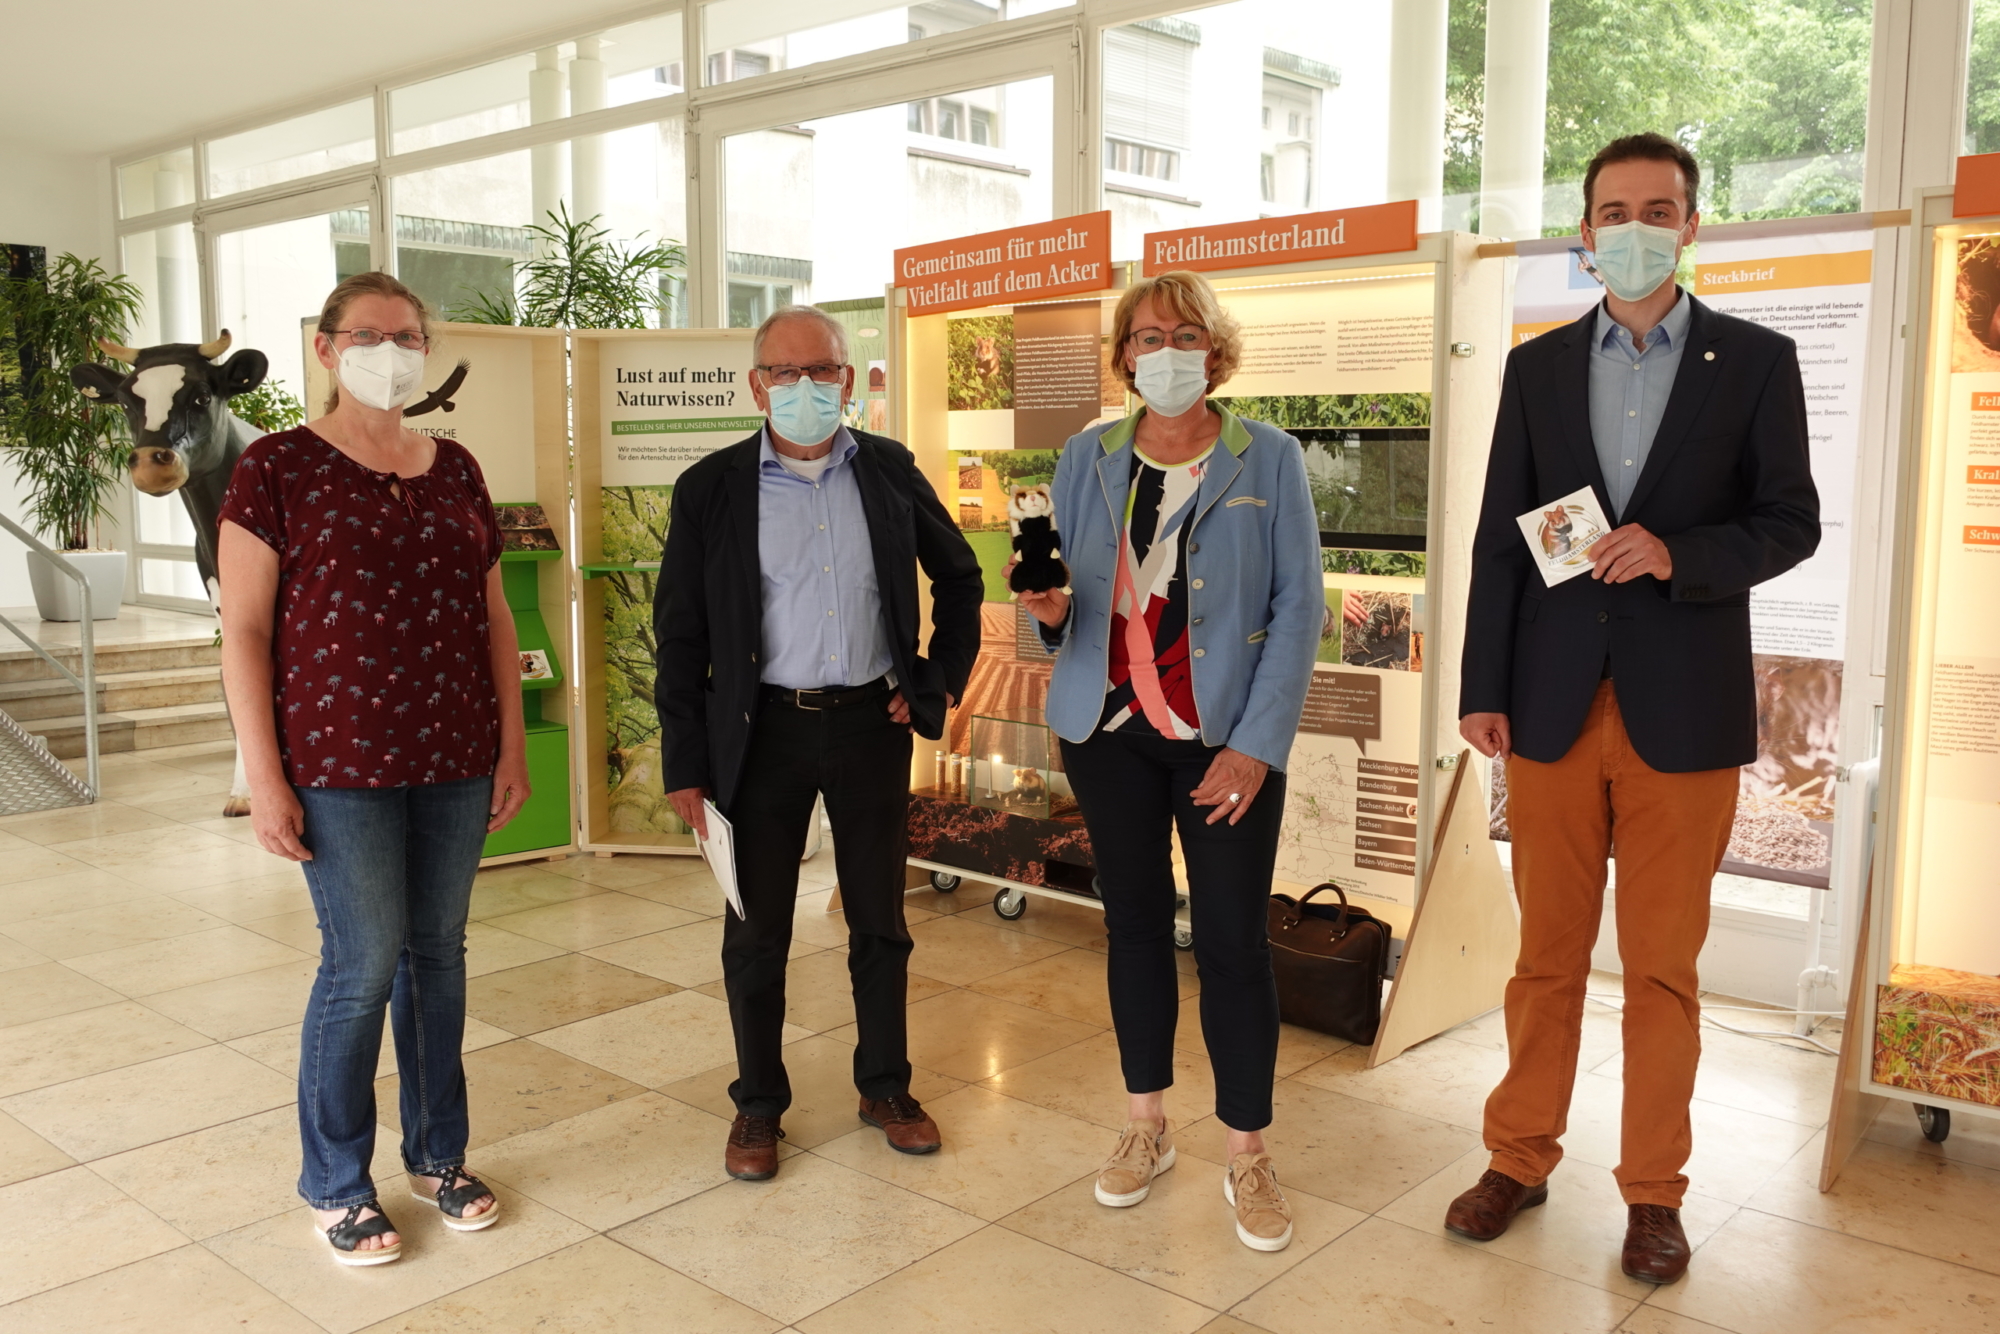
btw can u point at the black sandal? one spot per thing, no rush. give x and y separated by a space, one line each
451 1199
347 1235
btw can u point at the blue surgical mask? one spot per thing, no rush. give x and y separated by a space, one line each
807 412
1632 259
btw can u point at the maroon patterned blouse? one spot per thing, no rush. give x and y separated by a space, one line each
379 653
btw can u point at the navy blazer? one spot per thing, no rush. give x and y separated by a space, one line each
1728 486
708 607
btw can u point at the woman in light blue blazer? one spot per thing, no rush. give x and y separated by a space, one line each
1184 644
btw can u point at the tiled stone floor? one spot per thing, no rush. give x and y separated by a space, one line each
153 965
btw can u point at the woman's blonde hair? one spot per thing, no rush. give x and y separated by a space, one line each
1188 298
371 283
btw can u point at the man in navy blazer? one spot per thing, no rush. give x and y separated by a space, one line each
1625 699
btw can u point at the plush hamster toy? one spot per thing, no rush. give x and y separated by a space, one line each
1031 518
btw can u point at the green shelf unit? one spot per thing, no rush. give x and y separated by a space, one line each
619 567
545 821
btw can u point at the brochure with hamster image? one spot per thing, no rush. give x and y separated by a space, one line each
1561 534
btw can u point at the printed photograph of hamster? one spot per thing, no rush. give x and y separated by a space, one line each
1566 534
979 364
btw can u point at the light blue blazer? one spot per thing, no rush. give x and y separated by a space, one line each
1255 596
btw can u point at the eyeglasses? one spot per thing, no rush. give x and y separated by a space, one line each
789 375
1186 338
412 340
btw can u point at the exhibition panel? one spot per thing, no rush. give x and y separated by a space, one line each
1381 353
1932 1006
648 402
505 401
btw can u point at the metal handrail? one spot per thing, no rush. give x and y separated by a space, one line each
88 683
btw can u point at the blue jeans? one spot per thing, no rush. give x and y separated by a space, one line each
391 881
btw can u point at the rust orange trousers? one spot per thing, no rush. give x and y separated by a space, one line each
1669 832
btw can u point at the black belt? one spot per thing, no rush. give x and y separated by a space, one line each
826 699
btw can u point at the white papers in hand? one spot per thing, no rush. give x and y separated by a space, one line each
1561 534
719 848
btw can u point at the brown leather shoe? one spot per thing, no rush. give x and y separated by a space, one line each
752 1154
1484 1212
1656 1250
904 1122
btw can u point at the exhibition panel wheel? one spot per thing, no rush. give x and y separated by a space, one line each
1011 903
944 882
1935 1122
1183 937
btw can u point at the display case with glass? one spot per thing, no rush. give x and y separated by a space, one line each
1010 762
1932 970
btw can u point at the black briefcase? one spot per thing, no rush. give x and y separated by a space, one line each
1330 964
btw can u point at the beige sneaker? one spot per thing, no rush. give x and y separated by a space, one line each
1263 1219
1143 1153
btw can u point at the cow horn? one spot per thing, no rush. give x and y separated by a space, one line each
216 348
117 353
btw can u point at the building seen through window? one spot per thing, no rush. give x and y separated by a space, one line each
1243 110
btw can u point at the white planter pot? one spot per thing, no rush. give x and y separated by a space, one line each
56 596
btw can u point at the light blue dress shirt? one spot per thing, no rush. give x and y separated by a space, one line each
822 606
1628 396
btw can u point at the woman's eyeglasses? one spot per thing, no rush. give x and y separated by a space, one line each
1186 338
412 340
789 375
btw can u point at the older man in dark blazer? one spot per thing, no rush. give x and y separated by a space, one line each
1625 700
786 622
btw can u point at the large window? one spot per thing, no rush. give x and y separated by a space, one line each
462 232
816 209
153 184
1771 95
742 39
633 63
1242 110
322 141
1982 80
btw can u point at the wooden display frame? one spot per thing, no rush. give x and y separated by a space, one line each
589 757
1896 882
1471 909
543 481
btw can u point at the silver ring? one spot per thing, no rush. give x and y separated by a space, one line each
1236 796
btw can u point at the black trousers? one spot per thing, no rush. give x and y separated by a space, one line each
1134 787
860 761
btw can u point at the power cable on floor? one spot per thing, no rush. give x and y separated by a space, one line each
1618 1003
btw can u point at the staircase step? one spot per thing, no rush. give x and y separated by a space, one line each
148 655
117 692
136 729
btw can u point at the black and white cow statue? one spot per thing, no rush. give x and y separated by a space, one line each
185 439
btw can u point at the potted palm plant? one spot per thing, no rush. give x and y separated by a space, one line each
67 449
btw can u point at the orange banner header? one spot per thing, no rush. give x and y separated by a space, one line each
1982 535
1976 189
1767 275
1982 475
1027 263
1985 402
1378 229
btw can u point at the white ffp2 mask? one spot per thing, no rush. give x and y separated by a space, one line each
1170 380
383 376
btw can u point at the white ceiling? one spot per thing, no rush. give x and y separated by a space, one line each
106 77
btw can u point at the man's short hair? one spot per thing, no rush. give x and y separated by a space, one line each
1647 147
813 313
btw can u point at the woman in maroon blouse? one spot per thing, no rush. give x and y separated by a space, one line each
365 637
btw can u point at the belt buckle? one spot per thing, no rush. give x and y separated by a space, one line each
799 701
